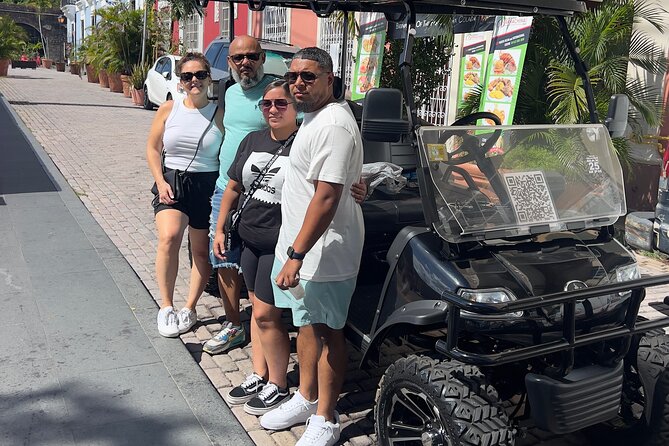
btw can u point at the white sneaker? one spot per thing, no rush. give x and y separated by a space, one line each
296 410
320 432
186 318
167 323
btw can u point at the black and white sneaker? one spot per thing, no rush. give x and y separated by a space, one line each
270 396
246 391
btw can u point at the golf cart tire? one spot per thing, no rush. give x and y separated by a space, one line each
653 365
469 407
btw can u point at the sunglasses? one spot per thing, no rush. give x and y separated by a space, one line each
238 58
266 104
307 76
187 75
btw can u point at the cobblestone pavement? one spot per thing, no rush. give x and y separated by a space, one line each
97 140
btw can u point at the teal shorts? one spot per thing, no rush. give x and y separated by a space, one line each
315 302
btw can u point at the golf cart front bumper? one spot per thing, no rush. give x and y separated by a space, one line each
569 340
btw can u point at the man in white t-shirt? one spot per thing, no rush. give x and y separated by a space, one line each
320 243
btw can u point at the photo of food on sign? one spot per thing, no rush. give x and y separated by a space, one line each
369 43
505 62
501 110
473 63
367 64
471 79
364 84
500 89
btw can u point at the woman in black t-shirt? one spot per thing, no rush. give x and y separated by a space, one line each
259 227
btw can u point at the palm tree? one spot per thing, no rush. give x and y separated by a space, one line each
608 43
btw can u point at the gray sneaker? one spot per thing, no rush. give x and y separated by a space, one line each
226 339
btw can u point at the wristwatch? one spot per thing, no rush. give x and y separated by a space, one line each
294 255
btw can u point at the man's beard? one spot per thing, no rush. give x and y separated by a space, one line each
248 82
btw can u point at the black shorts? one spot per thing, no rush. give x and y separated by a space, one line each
257 269
196 204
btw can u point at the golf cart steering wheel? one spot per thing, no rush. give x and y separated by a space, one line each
470 143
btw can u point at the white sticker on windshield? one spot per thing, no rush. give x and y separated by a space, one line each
530 197
593 164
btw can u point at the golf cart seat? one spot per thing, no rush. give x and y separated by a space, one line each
384 212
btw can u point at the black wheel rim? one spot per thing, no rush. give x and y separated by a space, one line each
146 96
413 419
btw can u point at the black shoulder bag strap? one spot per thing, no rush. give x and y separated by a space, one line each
199 143
258 181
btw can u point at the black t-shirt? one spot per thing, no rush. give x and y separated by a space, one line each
261 219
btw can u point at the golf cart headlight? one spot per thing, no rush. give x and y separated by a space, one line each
625 274
489 296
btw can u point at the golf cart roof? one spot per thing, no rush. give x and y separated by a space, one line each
490 7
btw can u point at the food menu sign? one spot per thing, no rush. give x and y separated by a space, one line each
472 67
367 73
505 67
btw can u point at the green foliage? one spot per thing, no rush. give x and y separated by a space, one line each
180 9
552 91
427 73
138 76
115 44
12 38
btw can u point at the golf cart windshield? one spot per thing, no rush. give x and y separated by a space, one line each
495 182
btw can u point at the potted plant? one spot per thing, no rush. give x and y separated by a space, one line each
74 68
114 66
60 66
137 79
12 37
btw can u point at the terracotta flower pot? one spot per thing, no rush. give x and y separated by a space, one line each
4 66
115 83
125 80
104 79
140 97
46 63
74 68
92 74
60 66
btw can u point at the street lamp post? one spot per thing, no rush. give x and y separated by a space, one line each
62 20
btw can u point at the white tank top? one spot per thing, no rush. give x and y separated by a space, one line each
183 129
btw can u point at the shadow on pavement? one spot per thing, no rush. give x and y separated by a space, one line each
134 107
20 170
70 410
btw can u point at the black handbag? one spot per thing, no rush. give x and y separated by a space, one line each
231 224
175 177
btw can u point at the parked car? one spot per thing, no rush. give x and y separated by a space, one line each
278 57
162 84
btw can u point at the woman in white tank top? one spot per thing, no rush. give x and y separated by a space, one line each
190 132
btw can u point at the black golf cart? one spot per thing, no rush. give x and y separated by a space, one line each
502 271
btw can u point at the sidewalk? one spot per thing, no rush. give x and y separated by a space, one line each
80 360
97 140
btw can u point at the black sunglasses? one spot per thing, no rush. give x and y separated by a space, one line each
238 58
186 76
307 76
266 104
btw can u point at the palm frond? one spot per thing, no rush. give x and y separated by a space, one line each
646 54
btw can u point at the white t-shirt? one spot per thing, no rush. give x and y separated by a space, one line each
327 148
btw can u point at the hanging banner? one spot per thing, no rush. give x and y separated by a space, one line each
505 67
427 25
472 65
367 70
473 23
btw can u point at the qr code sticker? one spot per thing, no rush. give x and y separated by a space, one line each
530 197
